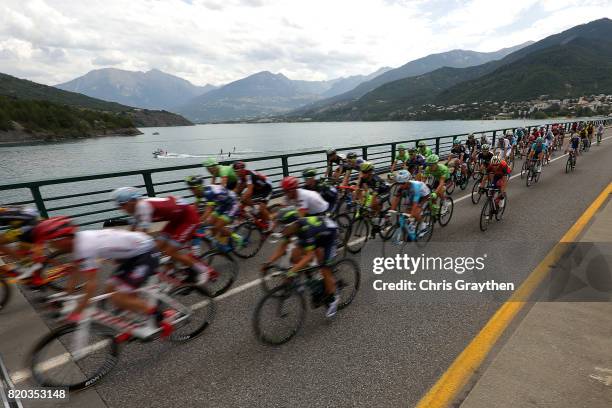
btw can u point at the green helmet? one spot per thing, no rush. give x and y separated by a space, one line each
432 159
422 143
211 162
366 167
485 147
309 172
194 181
456 141
288 215
401 147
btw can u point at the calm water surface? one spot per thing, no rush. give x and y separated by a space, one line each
189 144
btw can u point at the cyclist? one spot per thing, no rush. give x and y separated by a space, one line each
416 193
316 240
226 173
327 191
306 201
351 163
484 159
372 183
549 140
538 149
583 136
424 150
181 218
401 157
19 223
574 144
483 139
333 157
472 146
600 131
590 130
221 207
415 163
456 158
503 147
135 252
196 186
439 173
253 185
497 173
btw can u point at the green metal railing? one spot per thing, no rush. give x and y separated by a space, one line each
85 198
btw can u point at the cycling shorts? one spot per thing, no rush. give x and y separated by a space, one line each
328 244
132 273
227 211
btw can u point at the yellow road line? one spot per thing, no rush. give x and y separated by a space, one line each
445 390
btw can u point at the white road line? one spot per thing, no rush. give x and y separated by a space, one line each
22 375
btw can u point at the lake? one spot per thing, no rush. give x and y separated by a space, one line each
191 144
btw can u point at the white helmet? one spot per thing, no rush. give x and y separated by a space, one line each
496 159
403 176
124 194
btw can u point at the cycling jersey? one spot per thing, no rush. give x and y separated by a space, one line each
414 162
318 232
223 200
426 152
347 165
374 183
502 169
440 172
459 151
20 221
328 192
232 179
575 142
485 157
309 201
540 149
402 157
182 218
94 245
413 190
472 144
262 188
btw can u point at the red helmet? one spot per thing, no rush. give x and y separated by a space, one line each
54 227
289 183
239 165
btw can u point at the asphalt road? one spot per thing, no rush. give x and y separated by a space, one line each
386 349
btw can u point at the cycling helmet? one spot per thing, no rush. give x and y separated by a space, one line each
53 228
403 176
124 194
496 159
310 172
413 150
366 167
432 159
351 156
485 147
239 165
508 132
211 162
456 141
539 139
422 143
289 183
194 181
288 215
471 136
401 147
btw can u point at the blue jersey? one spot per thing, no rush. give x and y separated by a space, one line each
315 231
575 141
219 196
542 148
413 190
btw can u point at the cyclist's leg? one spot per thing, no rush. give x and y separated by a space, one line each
129 276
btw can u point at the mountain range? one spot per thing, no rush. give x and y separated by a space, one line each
153 89
571 63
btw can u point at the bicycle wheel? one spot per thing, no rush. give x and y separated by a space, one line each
344 229
446 211
359 233
476 194
193 314
485 214
568 164
464 182
252 240
348 279
530 177
226 269
5 293
272 278
537 176
386 227
55 360
424 236
499 214
393 190
450 185
279 315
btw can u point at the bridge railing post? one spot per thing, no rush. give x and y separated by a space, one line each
393 147
285 164
438 146
148 181
38 200
364 153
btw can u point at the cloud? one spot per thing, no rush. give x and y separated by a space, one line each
217 41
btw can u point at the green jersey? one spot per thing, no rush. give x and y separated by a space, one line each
441 171
401 157
426 153
232 179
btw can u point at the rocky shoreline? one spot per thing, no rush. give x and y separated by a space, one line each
16 137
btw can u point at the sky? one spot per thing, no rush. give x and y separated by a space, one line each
219 41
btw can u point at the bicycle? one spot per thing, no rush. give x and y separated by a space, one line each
599 136
442 212
477 192
457 178
93 345
406 228
491 207
286 306
534 171
571 162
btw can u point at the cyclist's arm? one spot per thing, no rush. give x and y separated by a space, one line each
90 287
304 260
246 197
278 253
